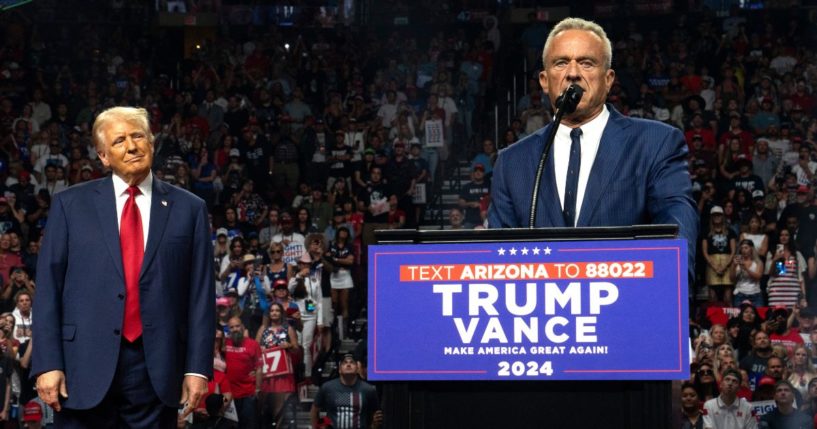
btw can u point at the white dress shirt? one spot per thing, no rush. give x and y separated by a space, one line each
590 140
120 189
143 201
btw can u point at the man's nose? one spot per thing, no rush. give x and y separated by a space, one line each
572 73
130 144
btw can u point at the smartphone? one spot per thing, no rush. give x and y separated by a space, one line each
779 247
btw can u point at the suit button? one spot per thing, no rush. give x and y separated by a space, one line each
116 331
121 296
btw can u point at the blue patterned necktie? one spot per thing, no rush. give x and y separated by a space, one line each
572 182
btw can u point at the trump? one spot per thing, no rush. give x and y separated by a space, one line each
124 325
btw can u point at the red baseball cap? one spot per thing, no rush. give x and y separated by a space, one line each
32 412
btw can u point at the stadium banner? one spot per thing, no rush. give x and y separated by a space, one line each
561 310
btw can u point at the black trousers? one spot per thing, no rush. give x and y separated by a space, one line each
130 402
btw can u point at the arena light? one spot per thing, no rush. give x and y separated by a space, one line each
11 4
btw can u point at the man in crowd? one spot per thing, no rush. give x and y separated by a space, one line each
19 281
727 410
780 333
349 402
785 416
243 359
472 193
755 362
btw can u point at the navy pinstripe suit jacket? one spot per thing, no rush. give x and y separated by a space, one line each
640 176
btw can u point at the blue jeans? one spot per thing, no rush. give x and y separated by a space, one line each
247 411
755 299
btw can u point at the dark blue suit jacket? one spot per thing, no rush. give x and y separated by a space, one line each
79 305
639 177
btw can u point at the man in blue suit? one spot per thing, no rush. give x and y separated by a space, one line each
624 171
125 291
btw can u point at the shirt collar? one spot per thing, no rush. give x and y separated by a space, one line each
722 404
120 187
592 129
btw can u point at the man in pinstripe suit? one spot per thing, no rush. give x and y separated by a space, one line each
630 171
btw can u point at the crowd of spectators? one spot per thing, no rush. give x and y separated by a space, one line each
302 143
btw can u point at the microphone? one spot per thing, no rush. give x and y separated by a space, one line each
565 103
569 99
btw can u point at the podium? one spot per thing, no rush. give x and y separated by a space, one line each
528 328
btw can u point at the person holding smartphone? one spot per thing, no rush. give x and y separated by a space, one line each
746 273
253 287
785 268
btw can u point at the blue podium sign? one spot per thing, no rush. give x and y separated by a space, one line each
564 310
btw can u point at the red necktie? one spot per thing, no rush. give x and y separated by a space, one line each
133 249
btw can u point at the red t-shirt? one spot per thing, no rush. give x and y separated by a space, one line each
394 218
220 380
789 341
241 362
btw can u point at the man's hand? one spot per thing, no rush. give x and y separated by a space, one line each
193 389
377 419
50 386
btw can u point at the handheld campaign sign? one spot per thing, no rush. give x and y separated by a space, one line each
562 310
276 361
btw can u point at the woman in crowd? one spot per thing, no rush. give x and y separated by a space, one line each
339 194
307 293
725 350
718 335
271 228
718 250
802 371
253 287
277 269
746 272
730 156
724 356
749 321
204 173
704 381
509 138
340 251
704 350
230 269
785 268
397 217
731 217
754 233
280 294
690 407
487 157
220 248
303 223
276 333
810 405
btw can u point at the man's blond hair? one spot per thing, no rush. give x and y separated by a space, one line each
580 24
133 115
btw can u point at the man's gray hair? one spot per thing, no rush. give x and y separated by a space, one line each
580 24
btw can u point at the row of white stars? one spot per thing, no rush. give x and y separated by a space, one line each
501 251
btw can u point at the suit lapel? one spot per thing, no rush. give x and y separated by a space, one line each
160 206
105 203
606 166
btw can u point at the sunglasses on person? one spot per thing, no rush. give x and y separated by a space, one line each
705 372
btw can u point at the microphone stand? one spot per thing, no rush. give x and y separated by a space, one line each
565 103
